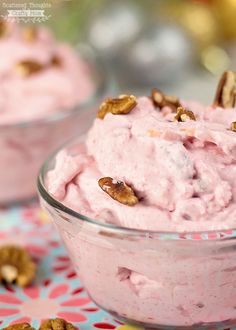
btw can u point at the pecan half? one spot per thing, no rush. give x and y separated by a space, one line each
119 191
226 91
117 106
184 115
28 67
162 100
233 126
20 326
29 33
56 324
16 266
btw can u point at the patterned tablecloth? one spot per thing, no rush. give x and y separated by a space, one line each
57 291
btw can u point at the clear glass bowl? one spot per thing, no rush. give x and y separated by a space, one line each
154 279
24 146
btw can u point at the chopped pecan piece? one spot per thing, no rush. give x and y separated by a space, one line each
30 33
162 100
28 67
3 28
20 326
226 91
119 191
117 106
56 324
16 266
233 126
184 115
153 133
55 61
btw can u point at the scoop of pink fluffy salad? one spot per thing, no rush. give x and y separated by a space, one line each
52 89
182 172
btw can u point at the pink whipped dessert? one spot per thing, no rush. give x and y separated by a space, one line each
157 165
41 81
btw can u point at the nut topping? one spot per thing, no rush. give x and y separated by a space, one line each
3 28
117 106
153 133
29 33
226 91
16 266
55 61
56 324
161 100
184 115
119 191
28 67
20 326
233 126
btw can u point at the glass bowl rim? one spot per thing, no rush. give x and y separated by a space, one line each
219 234
91 58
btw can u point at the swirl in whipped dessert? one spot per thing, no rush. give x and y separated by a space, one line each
177 156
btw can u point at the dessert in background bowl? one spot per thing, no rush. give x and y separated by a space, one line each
47 92
146 207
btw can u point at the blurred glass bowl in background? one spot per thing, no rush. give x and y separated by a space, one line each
25 145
